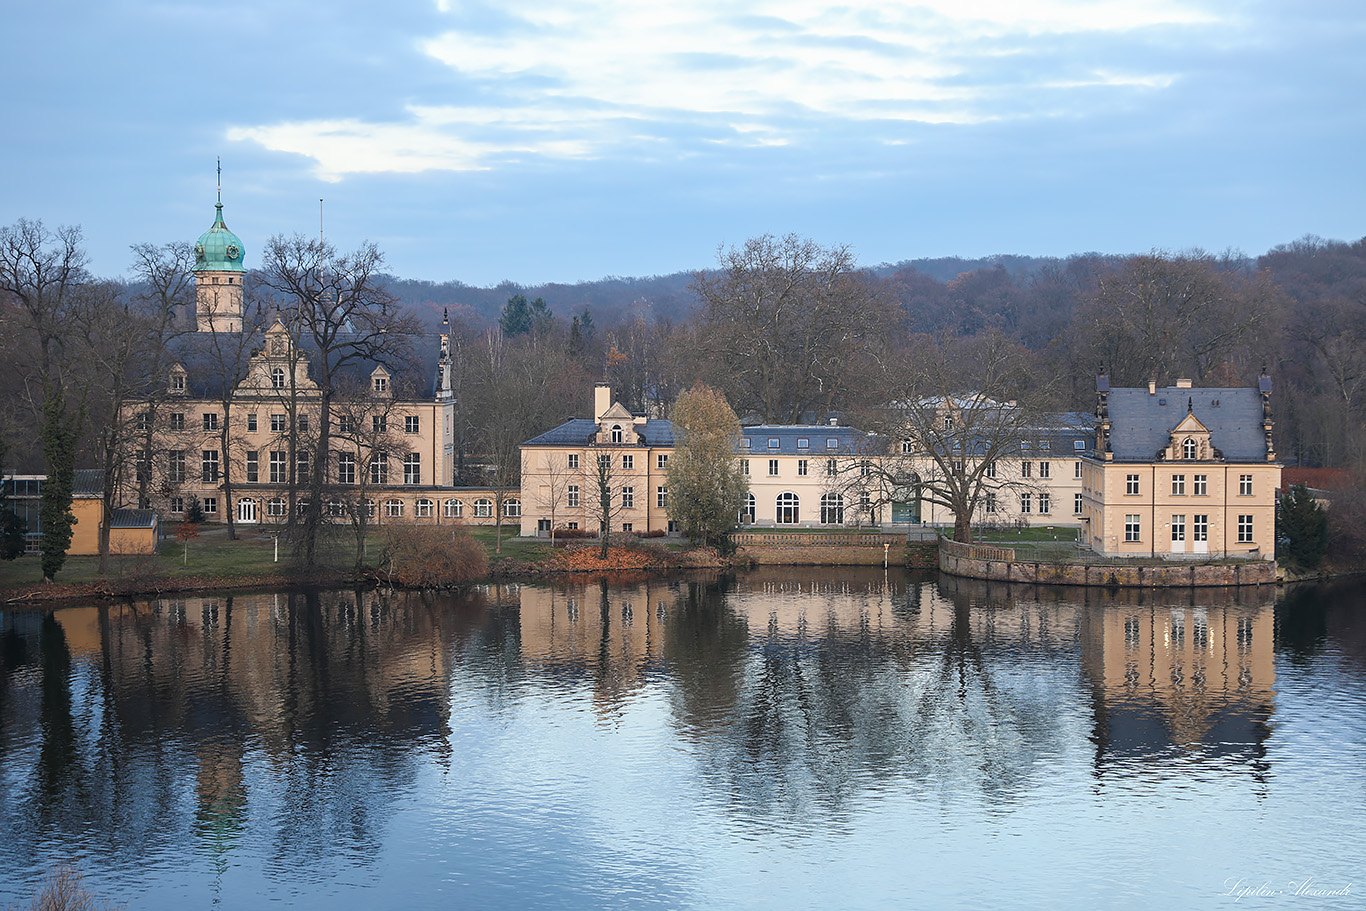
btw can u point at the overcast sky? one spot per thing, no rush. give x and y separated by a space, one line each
568 140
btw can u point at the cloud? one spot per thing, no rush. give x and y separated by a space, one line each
592 78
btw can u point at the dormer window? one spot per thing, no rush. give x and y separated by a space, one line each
1188 449
277 378
379 384
773 443
616 433
177 382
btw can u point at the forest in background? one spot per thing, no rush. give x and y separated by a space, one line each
794 332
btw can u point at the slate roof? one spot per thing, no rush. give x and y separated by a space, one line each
133 518
580 432
88 482
195 352
1141 424
817 437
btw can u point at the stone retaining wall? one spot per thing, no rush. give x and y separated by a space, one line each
960 560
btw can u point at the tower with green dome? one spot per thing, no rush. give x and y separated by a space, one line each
218 275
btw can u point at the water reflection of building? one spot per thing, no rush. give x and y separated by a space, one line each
1194 674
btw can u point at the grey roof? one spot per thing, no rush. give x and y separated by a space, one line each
804 439
197 353
133 518
88 482
1141 424
580 431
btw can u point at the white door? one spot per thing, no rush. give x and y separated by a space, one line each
246 510
1178 534
1200 534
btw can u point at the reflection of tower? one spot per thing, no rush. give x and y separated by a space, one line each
1180 675
218 275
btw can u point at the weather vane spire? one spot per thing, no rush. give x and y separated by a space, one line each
220 180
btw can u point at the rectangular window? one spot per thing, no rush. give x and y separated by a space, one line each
744 443
572 496
605 462
303 423
1079 445
831 468
412 468
574 461
1131 485
662 497
1133 529
662 461
175 468
1045 503
1245 529
801 468
628 463
379 469
991 503
991 470
142 463
1025 469
627 527
208 466
277 423
1026 502
177 505
773 443
772 468
379 423
177 420
210 505
379 383
301 465
1078 502
411 423
628 498
1244 485
346 424
346 468
253 467
907 447
803 444
1200 485
1200 528
279 473
1045 469
144 421
1076 471
251 423
832 443
1178 485
744 466
1178 528
211 420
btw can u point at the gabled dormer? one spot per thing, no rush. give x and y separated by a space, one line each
177 380
1190 442
381 383
277 369
617 426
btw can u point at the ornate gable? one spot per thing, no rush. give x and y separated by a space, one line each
1190 441
617 425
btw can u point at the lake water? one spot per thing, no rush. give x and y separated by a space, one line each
786 739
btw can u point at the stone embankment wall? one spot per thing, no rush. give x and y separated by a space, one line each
836 550
999 564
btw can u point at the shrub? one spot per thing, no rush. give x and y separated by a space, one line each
569 534
430 557
64 890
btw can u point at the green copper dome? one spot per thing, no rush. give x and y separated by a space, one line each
218 249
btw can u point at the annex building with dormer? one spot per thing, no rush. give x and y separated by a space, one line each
1179 472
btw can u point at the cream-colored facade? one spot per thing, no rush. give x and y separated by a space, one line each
800 476
1209 489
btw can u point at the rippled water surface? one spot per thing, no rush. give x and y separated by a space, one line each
788 739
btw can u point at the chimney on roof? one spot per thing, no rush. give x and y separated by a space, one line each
1152 387
1183 383
834 422
602 400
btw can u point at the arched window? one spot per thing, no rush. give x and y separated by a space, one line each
832 509
748 512
393 509
483 509
369 509
335 509
616 433
423 508
454 509
1188 450
277 377
512 509
788 508
246 510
